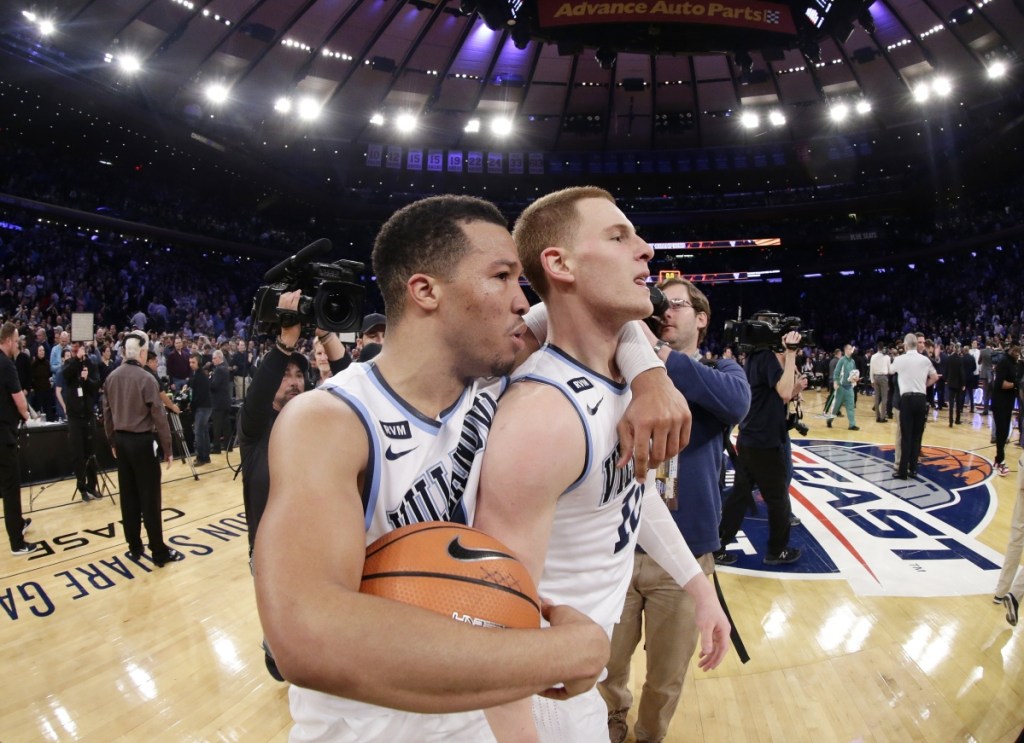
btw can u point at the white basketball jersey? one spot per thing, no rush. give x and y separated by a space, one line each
418 469
589 561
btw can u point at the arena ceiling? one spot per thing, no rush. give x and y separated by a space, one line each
441 63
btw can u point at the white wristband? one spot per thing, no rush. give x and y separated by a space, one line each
537 321
634 354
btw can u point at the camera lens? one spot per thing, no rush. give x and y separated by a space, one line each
337 307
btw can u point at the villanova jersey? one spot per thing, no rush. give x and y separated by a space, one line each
590 554
418 469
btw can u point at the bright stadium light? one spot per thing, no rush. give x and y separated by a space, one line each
777 118
377 119
129 63
308 109
501 126
839 112
921 92
283 105
46 27
405 123
942 86
997 70
472 126
863 107
217 92
749 120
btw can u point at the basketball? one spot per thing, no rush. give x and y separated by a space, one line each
454 570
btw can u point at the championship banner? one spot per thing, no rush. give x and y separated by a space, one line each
752 14
474 162
455 162
435 161
495 162
393 159
414 160
516 165
374 155
536 163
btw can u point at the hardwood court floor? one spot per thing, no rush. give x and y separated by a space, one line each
97 647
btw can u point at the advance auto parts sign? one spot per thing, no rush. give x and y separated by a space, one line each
885 537
751 14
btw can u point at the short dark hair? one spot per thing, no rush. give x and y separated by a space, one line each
425 237
7 330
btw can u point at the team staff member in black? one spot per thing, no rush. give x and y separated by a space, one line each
81 385
133 418
280 376
220 401
13 410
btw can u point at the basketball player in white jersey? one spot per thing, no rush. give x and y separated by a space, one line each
572 517
398 441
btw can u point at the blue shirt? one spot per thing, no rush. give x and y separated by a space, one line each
718 397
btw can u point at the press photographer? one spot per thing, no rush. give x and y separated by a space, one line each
718 396
763 441
81 385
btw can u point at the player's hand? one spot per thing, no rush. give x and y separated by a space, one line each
585 640
713 626
170 459
113 451
656 425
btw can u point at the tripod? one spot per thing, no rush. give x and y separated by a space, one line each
179 434
104 485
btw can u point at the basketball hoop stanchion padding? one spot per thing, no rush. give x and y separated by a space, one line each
453 570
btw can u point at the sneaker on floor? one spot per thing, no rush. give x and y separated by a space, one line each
1002 470
786 557
724 558
854 428
794 520
998 599
1010 602
26 549
24 527
617 727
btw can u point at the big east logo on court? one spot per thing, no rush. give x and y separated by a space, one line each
885 536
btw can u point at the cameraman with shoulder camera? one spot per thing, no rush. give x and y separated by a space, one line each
280 376
719 397
761 449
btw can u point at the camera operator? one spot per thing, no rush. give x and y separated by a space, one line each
220 397
153 367
202 409
13 411
761 448
719 396
81 385
280 376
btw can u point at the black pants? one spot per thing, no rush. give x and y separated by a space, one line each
138 479
956 400
81 435
219 420
1002 416
765 468
10 488
913 413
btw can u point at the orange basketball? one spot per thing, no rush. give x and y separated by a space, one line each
454 570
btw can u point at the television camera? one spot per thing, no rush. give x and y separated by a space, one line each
766 330
330 298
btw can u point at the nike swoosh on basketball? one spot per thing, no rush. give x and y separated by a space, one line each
469 554
593 410
393 455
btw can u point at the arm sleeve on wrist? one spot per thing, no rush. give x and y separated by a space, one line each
635 355
537 321
660 538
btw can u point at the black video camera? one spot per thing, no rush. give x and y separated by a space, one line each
661 305
765 330
795 421
330 300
